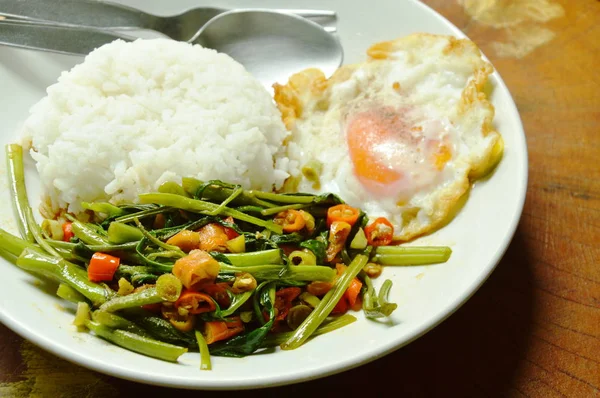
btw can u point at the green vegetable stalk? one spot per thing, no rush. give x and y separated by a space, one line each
119 233
411 255
274 210
65 272
107 209
329 301
174 188
16 178
168 288
140 344
205 363
66 292
87 233
104 248
200 206
377 306
161 329
27 223
15 246
279 198
305 273
117 322
327 326
143 214
218 191
83 314
272 256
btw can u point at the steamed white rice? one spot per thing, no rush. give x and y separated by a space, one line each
135 115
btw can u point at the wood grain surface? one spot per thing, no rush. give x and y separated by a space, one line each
533 329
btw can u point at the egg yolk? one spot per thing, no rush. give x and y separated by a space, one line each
366 131
390 154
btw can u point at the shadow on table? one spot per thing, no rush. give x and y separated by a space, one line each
475 352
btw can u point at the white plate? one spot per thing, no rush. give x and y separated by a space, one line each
426 295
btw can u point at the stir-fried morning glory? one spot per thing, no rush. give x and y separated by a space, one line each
211 267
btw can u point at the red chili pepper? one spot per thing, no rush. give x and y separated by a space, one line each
222 330
218 291
67 228
341 307
102 267
350 297
357 305
290 220
230 232
343 213
380 232
353 291
195 302
283 300
338 233
183 323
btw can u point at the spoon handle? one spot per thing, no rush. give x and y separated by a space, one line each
307 13
77 12
55 38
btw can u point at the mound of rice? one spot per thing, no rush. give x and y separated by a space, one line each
135 115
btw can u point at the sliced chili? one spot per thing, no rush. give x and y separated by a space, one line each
338 233
102 267
380 232
283 300
67 231
343 213
218 291
183 323
195 302
230 232
290 220
222 330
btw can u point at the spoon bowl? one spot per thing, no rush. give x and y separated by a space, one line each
272 45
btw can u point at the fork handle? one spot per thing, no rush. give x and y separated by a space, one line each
78 12
55 38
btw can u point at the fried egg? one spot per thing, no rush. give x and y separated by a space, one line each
401 135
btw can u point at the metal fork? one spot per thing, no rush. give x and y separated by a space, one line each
108 15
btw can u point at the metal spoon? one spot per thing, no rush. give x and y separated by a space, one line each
271 45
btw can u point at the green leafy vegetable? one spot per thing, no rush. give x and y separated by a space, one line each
318 247
377 306
248 343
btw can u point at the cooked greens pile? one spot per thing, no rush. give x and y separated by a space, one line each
209 266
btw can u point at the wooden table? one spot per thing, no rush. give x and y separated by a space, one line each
533 329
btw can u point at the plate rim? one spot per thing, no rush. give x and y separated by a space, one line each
377 352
